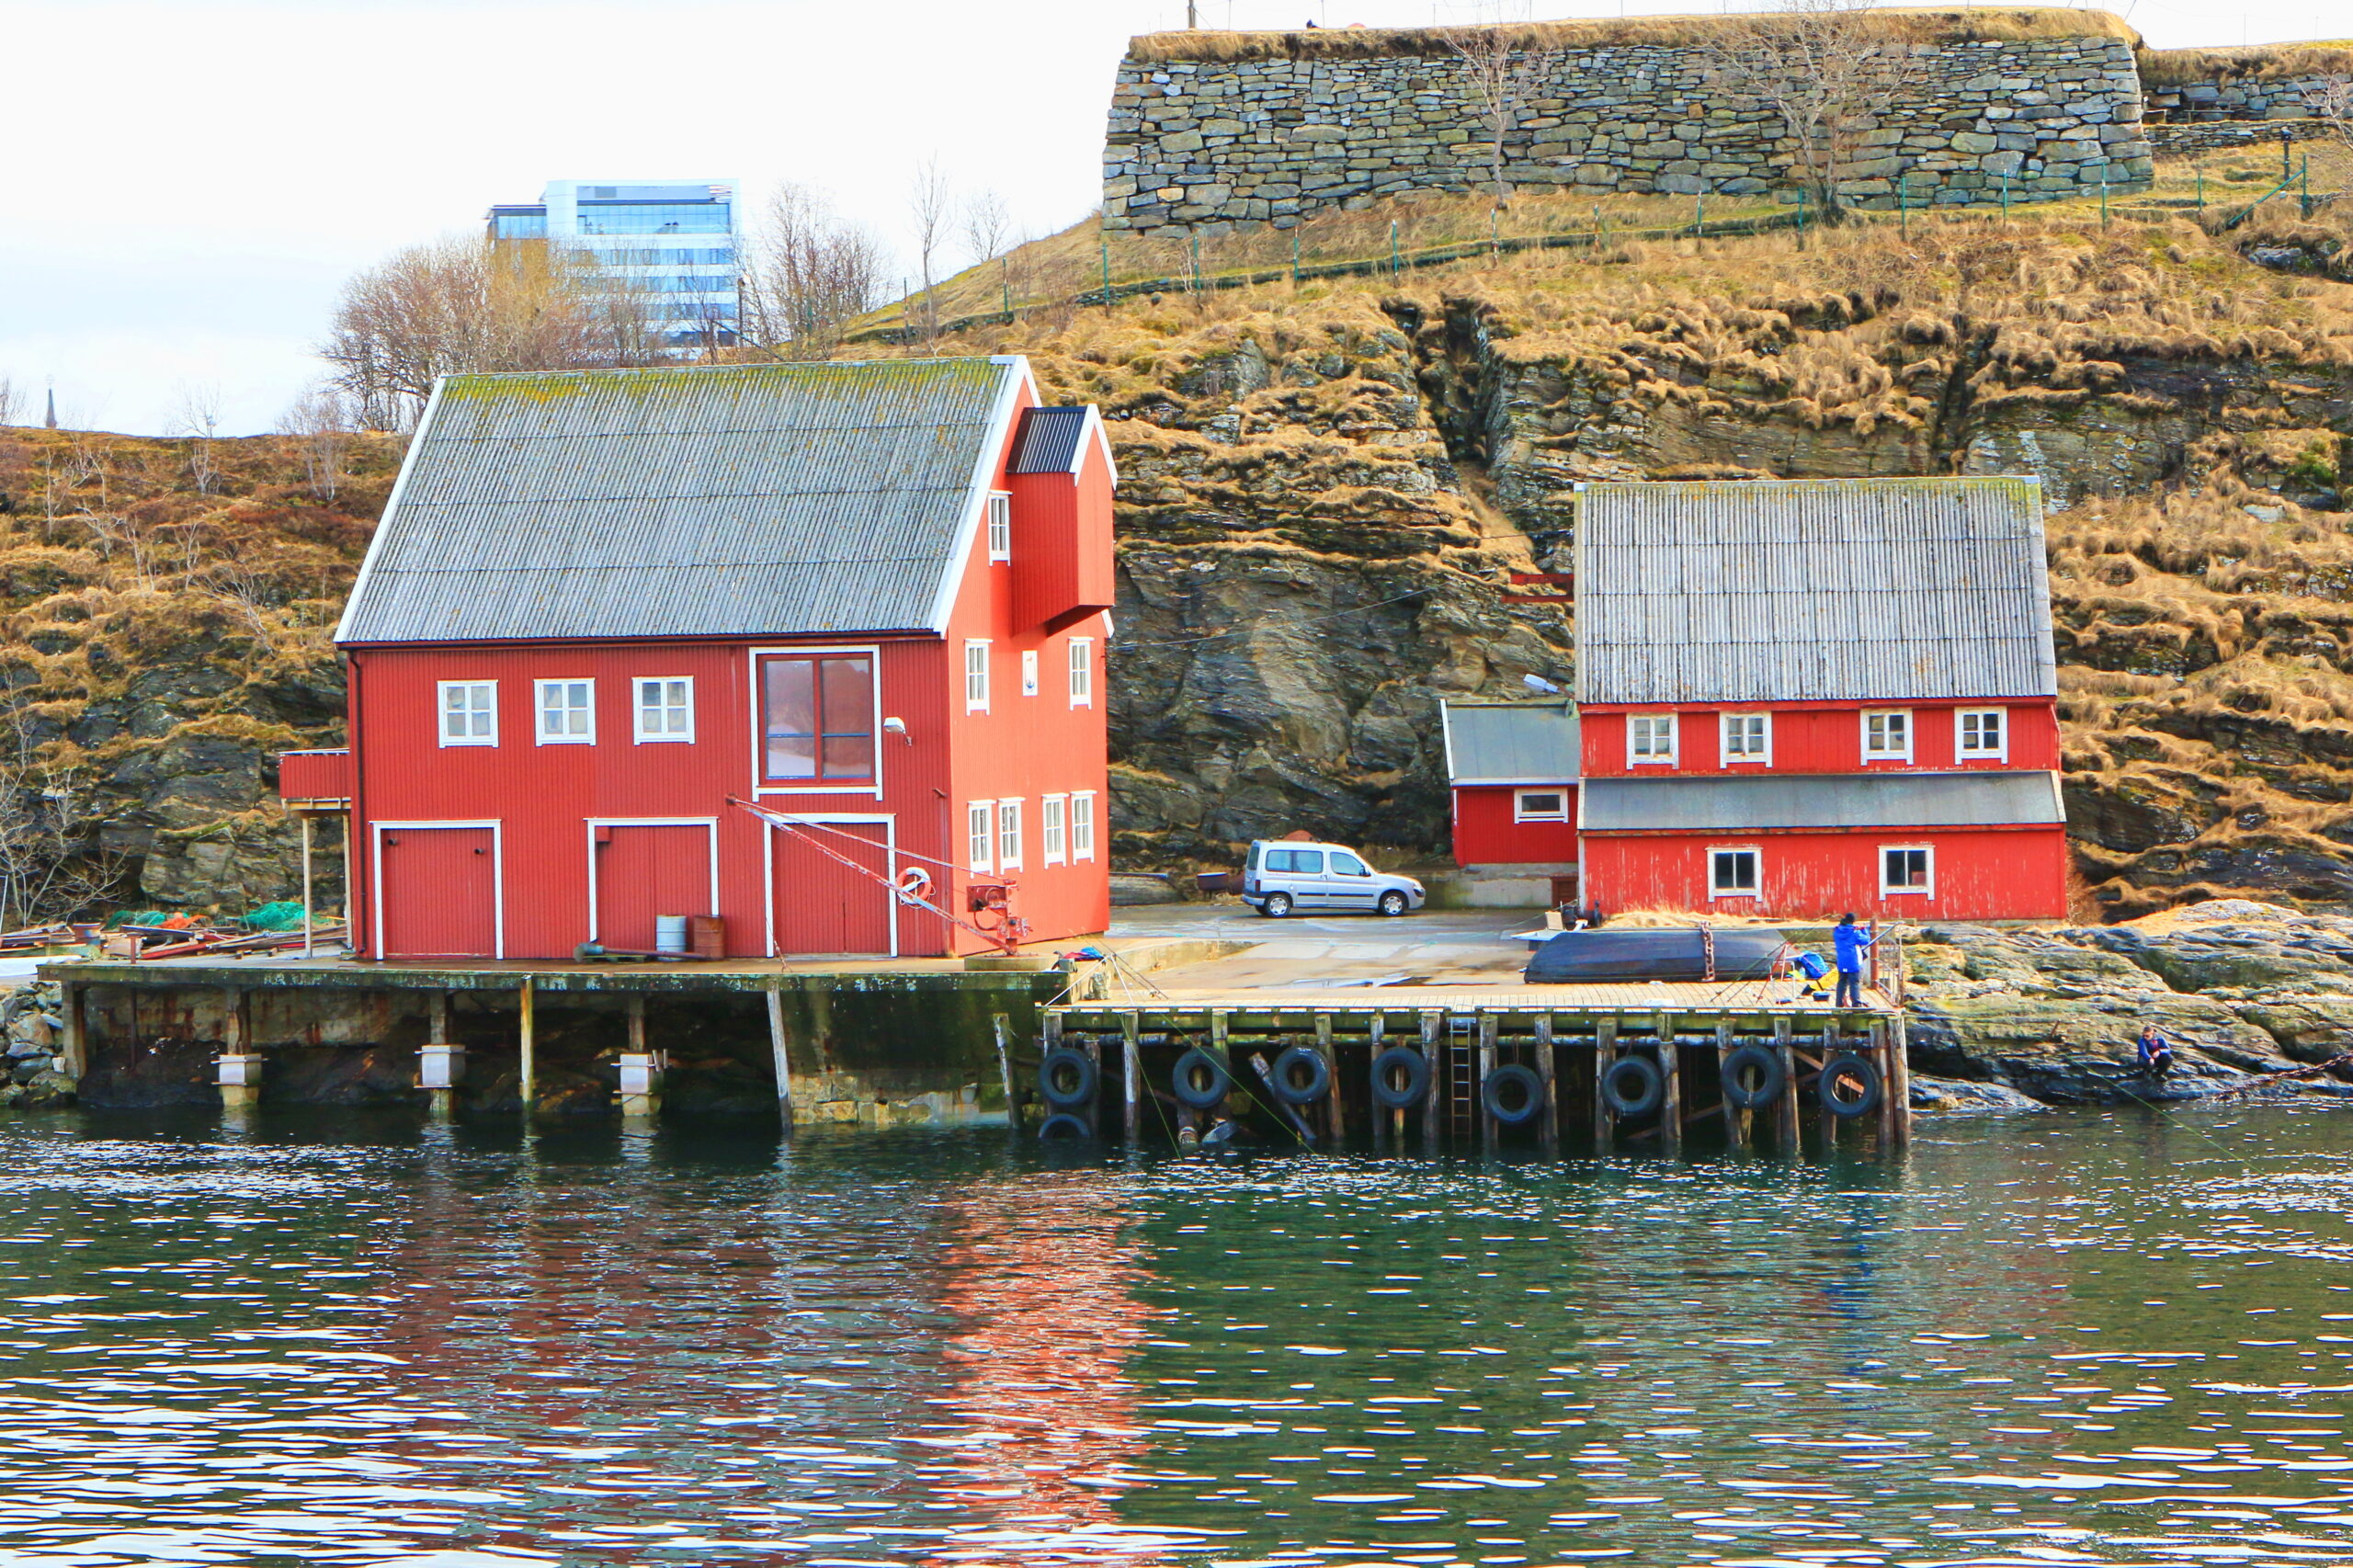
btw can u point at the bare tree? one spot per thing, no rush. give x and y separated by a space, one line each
2331 102
462 304
53 863
988 226
931 206
11 402
810 275
320 425
1817 66
196 415
1504 70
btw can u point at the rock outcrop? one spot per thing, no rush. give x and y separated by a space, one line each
2243 991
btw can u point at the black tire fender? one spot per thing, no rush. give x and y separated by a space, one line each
1495 1094
1063 1128
1200 1080
1772 1081
1067 1078
1841 1070
1407 1094
1311 1062
1633 1086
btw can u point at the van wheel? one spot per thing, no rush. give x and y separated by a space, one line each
1393 903
1278 905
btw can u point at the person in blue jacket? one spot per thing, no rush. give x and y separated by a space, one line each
1852 942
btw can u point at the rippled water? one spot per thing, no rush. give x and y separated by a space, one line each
2038 1340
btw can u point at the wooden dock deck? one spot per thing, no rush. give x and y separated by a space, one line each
1483 1066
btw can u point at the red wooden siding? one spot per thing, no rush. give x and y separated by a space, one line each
1819 738
1061 544
440 892
645 870
314 776
824 906
2006 873
1485 835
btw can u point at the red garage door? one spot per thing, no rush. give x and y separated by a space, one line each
643 871
823 906
440 893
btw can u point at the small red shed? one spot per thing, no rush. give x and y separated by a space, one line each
814 649
1512 766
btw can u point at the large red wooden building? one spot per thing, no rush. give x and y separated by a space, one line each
610 613
1794 698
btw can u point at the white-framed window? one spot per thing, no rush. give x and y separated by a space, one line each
1982 735
1008 836
1749 738
976 676
1029 672
980 835
1540 805
1887 735
1051 811
567 711
1907 868
1650 740
1082 672
665 707
1733 871
1000 527
1082 825
469 712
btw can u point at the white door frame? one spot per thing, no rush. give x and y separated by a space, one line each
890 822
497 876
710 824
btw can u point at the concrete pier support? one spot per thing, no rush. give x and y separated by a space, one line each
642 1069
442 1064
238 1069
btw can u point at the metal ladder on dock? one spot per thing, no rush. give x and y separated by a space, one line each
1462 1081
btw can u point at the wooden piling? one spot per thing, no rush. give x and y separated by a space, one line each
1331 1054
1899 1079
1547 1069
1003 1026
1487 1029
1384 1118
783 1060
1093 1045
1131 1075
73 1061
1831 1046
1670 1071
1433 1022
1878 1056
526 1047
1785 1109
1605 1051
1736 1122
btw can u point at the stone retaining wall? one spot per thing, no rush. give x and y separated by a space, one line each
2206 136
1214 144
2285 98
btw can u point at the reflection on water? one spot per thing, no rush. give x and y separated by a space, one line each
302 1339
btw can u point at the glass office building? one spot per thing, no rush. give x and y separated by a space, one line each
676 240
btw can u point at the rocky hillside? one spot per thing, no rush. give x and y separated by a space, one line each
1326 488
168 610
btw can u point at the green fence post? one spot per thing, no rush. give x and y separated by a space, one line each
2286 173
1195 236
1903 206
1495 231
1801 212
1294 255
2304 190
2103 193
2005 196
1107 272
2201 192
1395 264
1007 264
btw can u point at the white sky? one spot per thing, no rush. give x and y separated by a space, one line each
197 176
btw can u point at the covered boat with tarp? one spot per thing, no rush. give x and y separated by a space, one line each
1704 953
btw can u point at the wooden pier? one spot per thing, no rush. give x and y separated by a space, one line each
1601 1067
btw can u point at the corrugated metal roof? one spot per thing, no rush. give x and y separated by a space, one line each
1048 440
1511 743
1812 590
733 500
1869 799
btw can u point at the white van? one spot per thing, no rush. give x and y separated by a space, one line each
1281 876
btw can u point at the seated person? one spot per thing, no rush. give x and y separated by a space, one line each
2154 1052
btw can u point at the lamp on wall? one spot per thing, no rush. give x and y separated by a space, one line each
898 727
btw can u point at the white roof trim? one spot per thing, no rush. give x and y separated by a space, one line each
391 506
